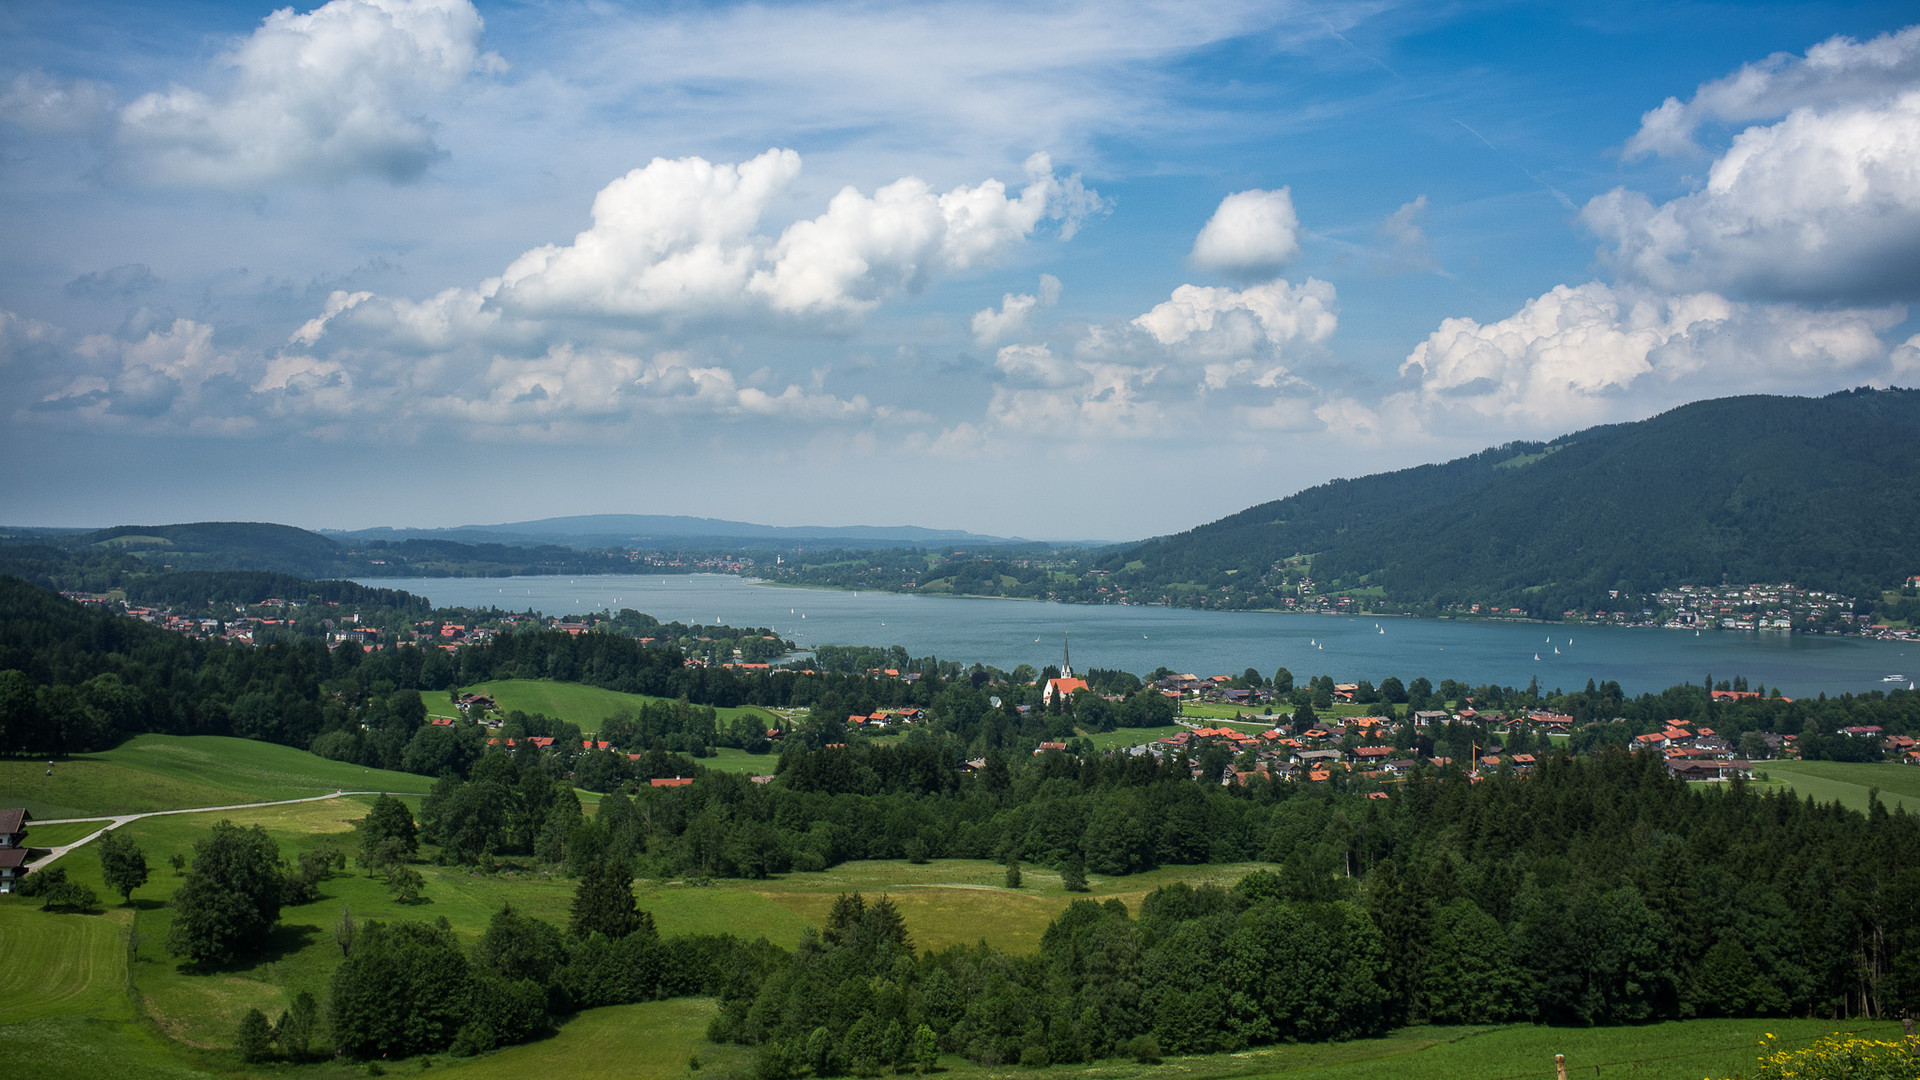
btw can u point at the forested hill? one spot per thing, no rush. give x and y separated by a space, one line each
1820 492
223 545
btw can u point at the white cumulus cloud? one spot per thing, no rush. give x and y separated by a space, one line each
1838 71
990 325
1213 322
1824 205
681 239
1252 233
1585 354
334 92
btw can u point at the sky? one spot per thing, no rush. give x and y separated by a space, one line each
1054 270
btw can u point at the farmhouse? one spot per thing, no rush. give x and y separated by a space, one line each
13 846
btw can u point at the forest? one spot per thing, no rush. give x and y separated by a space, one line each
1595 889
1599 891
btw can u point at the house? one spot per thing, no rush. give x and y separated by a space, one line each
13 827
677 781
13 846
13 867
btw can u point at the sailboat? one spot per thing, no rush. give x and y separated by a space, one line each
1536 656
1556 650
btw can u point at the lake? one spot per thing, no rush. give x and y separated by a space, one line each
1007 633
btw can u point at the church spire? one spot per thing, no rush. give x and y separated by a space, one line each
1066 656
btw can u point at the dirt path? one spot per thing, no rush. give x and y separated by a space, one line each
114 821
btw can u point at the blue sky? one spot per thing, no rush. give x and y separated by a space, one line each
1054 270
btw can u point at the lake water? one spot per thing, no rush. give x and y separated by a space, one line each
1007 633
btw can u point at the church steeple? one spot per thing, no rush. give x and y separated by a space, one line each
1066 656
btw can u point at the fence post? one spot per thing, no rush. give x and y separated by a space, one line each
1559 1067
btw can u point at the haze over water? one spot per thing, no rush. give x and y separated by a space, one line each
1007 633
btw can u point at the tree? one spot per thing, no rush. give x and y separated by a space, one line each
294 1030
123 866
231 896
404 883
53 890
603 902
1013 872
389 818
923 1053
1471 976
1073 873
344 930
405 990
254 1040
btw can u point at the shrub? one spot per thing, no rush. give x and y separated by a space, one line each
1838 1057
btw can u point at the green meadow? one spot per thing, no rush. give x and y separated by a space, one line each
585 706
1848 782
173 772
90 996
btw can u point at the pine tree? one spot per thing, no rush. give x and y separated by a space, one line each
603 902
1073 873
254 1040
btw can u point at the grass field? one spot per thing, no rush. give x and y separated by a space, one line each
585 706
729 759
1686 1051
1848 782
65 995
655 1039
172 772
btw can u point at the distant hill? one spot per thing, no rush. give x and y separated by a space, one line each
1824 493
673 531
222 545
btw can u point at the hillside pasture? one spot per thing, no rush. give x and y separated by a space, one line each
575 703
68 993
1848 782
651 1040
176 772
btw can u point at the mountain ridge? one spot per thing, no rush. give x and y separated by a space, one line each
1820 491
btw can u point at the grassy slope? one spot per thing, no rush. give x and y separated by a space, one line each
171 772
1848 782
654 1039
575 703
65 994
945 902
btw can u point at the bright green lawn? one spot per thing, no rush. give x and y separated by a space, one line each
730 759
1690 1050
650 1040
1848 781
171 772
575 703
52 836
